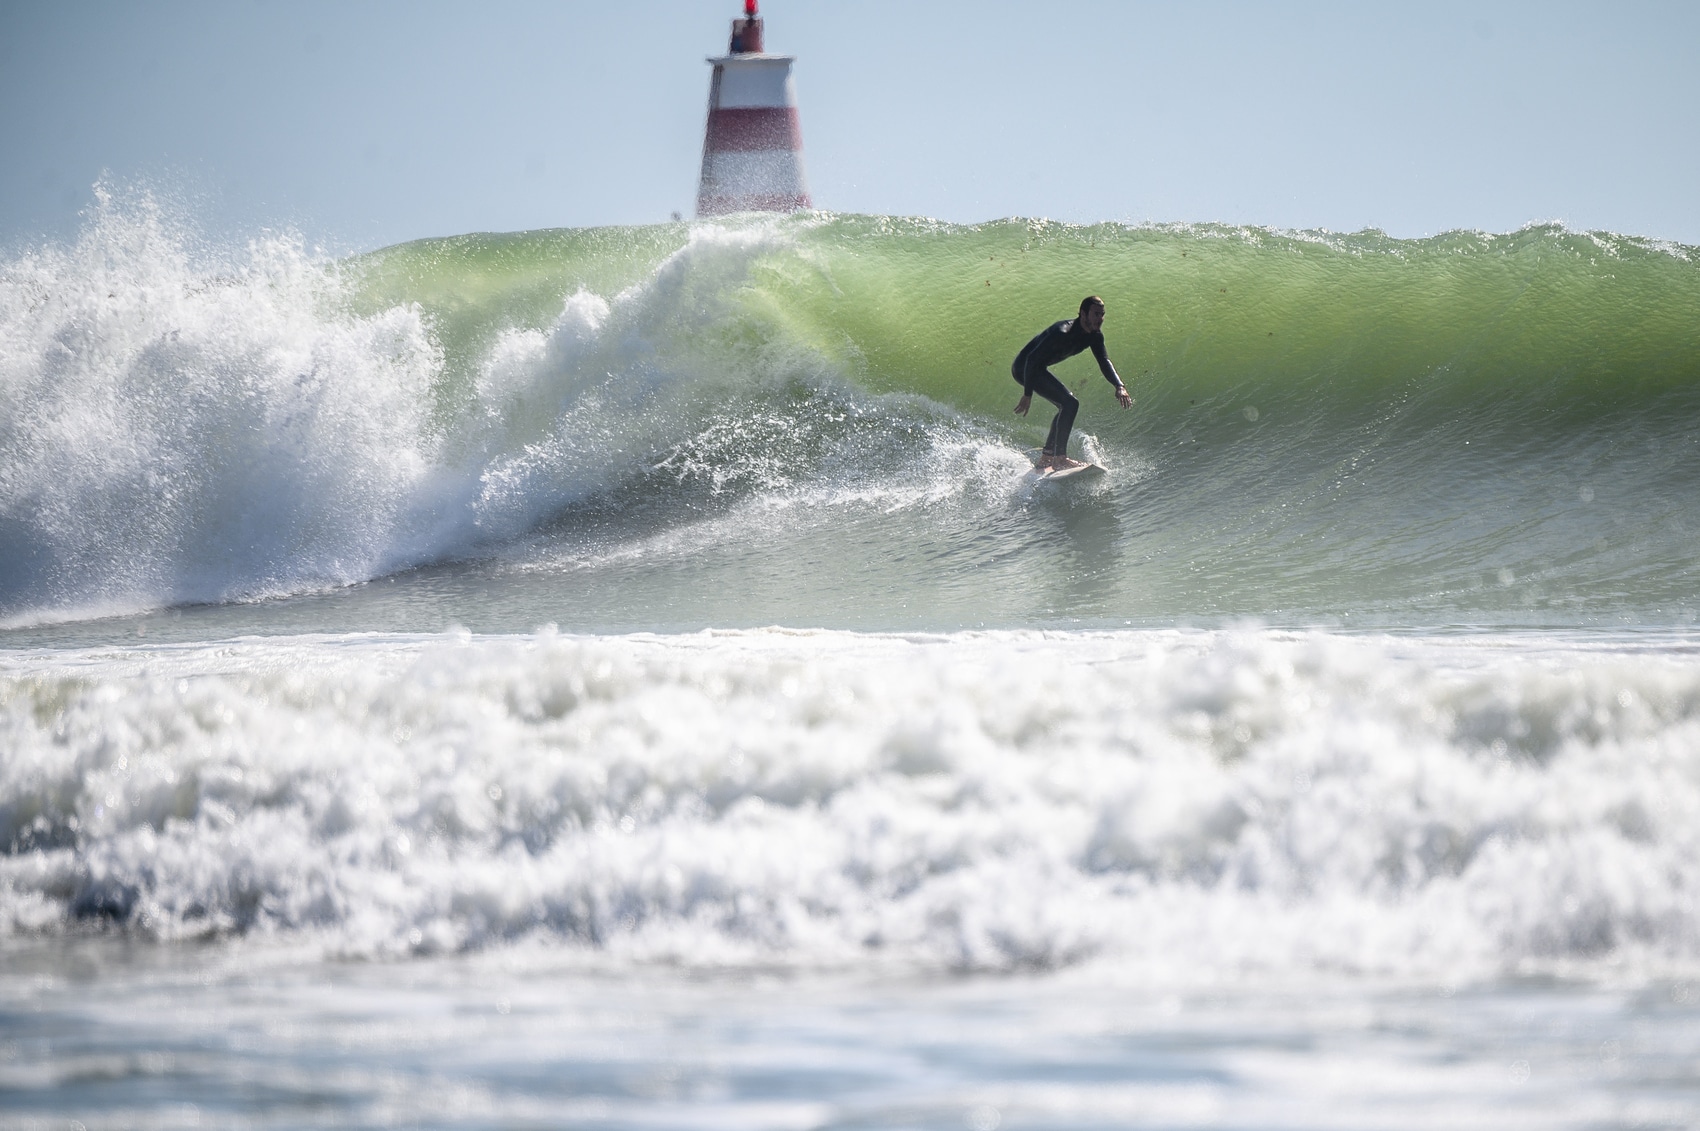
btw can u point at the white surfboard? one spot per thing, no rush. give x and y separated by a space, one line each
1083 472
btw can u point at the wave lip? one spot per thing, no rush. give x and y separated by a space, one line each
1186 805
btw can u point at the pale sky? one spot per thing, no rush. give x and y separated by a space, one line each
363 124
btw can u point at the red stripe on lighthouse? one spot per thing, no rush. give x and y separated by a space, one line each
752 128
752 202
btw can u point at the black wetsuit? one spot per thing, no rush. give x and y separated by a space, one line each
1032 372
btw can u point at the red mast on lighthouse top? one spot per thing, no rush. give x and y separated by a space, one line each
746 33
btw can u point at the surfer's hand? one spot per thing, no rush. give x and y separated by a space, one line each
1124 397
1021 405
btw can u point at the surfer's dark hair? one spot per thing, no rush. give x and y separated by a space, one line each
1088 303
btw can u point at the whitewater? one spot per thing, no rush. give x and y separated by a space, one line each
628 677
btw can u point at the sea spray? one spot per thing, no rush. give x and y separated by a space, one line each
176 433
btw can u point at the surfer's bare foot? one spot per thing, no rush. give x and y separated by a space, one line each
1063 463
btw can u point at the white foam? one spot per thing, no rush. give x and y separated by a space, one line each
173 432
1177 805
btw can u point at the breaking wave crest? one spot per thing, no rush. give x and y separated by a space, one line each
179 432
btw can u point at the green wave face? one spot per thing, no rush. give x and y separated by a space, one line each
1202 313
1216 313
1467 427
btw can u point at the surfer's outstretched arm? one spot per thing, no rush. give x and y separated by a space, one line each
1123 397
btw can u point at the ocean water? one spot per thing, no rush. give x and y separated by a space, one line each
629 678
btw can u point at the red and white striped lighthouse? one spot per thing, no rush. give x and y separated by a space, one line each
752 151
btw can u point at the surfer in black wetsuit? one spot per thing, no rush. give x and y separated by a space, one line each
1032 372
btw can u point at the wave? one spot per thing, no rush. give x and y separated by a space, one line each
1182 805
1466 427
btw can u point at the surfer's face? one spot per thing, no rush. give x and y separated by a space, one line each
1092 320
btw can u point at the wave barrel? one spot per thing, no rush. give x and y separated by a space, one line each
752 150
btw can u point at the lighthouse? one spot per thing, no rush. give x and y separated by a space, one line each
752 150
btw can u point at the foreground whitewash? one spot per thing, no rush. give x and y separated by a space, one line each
1190 805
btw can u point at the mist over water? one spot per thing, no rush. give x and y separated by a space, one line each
551 643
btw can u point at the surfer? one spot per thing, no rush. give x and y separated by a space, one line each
1032 372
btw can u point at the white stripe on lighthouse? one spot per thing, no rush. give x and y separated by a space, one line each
747 82
761 180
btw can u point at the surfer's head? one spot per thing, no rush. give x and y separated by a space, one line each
1091 314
